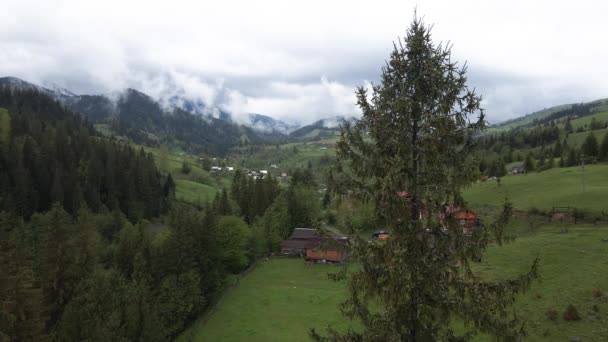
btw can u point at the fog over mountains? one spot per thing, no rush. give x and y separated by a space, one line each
102 106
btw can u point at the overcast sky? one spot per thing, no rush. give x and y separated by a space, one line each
300 60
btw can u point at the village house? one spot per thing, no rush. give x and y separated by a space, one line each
468 220
307 243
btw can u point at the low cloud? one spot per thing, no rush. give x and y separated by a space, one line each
301 60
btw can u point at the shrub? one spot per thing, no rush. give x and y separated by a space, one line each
597 293
571 313
551 314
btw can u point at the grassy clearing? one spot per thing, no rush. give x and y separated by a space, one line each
586 120
278 301
196 187
283 298
193 192
577 139
555 187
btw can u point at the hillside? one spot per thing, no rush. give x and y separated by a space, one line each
544 190
301 297
551 113
319 130
142 119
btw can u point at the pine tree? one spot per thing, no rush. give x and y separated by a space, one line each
590 147
603 154
557 150
573 158
415 136
568 126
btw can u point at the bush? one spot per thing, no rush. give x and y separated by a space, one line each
597 293
571 313
551 314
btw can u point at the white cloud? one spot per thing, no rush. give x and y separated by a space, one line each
300 60
296 102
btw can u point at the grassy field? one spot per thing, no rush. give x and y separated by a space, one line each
586 120
193 192
198 185
282 298
555 187
278 301
572 265
577 139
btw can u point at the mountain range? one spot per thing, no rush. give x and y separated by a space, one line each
178 121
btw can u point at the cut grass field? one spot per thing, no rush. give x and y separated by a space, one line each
282 299
554 187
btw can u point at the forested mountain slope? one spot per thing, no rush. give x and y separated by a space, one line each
51 155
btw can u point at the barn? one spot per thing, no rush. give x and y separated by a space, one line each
307 243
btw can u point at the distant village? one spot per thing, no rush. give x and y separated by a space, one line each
255 174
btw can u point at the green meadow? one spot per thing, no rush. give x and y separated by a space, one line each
281 299
544 190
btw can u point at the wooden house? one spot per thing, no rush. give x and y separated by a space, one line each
307 243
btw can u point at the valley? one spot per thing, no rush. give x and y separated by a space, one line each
272 172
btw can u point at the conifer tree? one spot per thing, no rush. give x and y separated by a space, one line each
410 155
603 154
529 163
590 146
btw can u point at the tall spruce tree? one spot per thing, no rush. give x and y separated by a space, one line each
411 155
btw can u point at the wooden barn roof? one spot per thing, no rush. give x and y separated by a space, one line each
303 233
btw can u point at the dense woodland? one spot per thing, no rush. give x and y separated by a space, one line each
94 247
